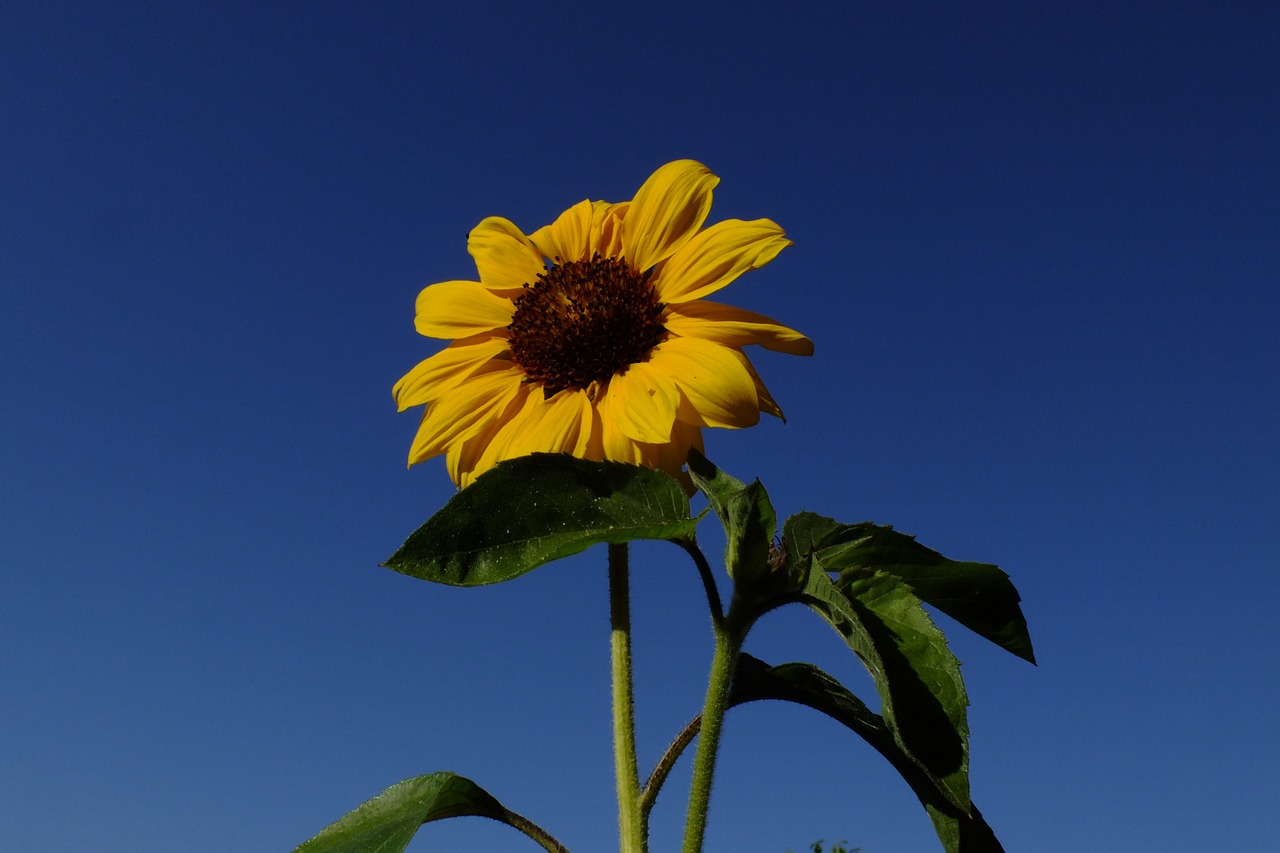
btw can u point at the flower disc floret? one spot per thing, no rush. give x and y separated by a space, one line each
583 321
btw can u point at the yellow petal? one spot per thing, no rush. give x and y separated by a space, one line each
606 228
506 259
569 237
716 386
468 409
459 309
768 405
462 457
434 376
668 209
540 426
733 327
642 402
670 456
616 445
717 256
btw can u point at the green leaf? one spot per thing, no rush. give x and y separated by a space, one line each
922 696
387 823
539 508
959 830
748 518
977 595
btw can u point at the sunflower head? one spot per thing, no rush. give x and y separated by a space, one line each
591 335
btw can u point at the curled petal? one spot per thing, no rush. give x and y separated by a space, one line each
606 228
768 405
717 256
460 309
733 327
506 259
666 212
716 386
443 371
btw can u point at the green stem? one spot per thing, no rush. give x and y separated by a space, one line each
728 644
631 819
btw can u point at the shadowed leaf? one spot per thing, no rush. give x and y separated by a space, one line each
388 822
539 508
959 830
977 595
748 518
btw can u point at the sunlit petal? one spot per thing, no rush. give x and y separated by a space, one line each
716 387
463 413
569 237
443 371
666 212
717 256
733 327
459 309
506 258
643 401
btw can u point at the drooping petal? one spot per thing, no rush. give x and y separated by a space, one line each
434 376
670 456
506 258
717 256
768 405
615 445
460 309
643 402
716 387
733 327
591 439
569 237
666 212
465 411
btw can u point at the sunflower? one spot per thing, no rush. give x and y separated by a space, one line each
591 335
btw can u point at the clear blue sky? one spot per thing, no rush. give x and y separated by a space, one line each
1035 246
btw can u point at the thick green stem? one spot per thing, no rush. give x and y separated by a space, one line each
728 644
631 818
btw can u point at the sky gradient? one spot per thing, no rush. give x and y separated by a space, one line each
1036 249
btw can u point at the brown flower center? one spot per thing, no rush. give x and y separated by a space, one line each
584 321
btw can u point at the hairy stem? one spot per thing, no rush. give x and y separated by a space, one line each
728 644
649 794
531 829
631 818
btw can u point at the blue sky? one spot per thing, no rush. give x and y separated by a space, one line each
1036 249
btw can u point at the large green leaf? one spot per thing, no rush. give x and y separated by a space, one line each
922 696
538 508
748 518
388 822
977 595
959 830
